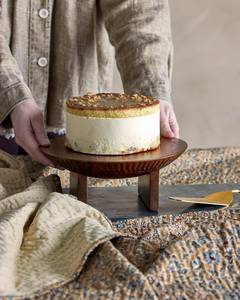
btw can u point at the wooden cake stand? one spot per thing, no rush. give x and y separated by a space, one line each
144 165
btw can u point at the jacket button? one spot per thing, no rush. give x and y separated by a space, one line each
43 13
42 62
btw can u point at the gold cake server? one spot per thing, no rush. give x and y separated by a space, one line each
223 198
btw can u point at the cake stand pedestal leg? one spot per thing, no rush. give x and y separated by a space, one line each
79 186
148 190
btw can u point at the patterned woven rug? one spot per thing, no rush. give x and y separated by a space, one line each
192 256
195 256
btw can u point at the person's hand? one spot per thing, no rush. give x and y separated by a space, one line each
27 121
168 123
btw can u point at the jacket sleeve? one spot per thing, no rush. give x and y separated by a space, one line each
13 89
140 32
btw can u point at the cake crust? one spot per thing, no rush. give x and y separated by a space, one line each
112 105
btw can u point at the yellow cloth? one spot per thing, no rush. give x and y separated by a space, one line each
45 236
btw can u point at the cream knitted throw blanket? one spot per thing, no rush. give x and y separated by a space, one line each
45 236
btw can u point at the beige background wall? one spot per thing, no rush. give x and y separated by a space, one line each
206 79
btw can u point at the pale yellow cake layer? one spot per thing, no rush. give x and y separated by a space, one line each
117 113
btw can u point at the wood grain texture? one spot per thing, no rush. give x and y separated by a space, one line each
114 166
148 190
79 186
144 165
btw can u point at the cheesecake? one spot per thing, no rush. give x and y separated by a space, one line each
112 124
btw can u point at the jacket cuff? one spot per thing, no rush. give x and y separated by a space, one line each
159 90
12 96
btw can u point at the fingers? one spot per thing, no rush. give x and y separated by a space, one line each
29 130
165 128
40 135
32 148
168 123
37 125
174 125
29 144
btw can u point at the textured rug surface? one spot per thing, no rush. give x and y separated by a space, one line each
192 256
188 257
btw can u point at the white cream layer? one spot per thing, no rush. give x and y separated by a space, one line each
113 135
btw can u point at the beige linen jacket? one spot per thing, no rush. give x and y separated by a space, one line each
53 49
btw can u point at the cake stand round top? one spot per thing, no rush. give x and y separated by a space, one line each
114 166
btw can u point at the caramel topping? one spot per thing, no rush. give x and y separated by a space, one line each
110 101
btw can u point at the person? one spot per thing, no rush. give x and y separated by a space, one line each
51 50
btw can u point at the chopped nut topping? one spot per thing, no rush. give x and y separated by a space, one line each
111 101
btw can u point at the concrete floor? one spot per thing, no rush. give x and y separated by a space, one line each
206 76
